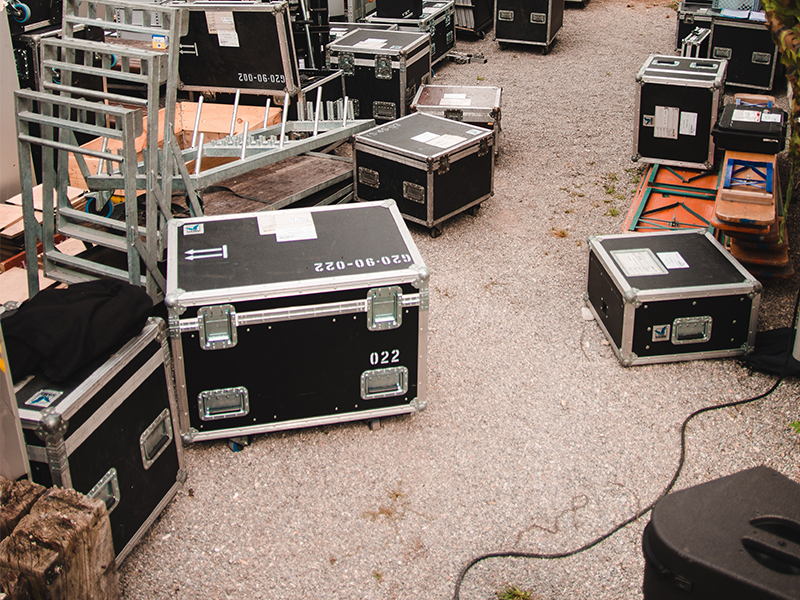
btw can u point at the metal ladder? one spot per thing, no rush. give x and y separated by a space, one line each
115 166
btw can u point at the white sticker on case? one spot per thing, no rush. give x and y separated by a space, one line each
746 116
688 123
771 117
638 262
667 122
193 229
673 260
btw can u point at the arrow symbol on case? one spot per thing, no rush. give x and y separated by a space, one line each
221 252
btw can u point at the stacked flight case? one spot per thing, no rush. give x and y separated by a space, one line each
109 432
296 318
438 19
244 45
677 102
382 70
534 22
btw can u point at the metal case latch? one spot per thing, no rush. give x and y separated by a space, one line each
217 326
691 330
107 490
347 63
384 383
384 308
413 192
383 67
223 403
155 439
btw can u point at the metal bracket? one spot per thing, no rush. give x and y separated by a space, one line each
538 18
383 67
483 147
413 192
505 15
444 165
369 177
347 63
384 110
155 439
107 490
384 308
454 114
217 326
223 403
384 383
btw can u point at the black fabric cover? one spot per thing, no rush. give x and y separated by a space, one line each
770 352
59 331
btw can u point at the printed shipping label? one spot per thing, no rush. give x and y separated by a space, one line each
746 116
294 226
666 125
371 43
220 20
228 39
446 141
673 260
688 123
638 262
771 117
424 137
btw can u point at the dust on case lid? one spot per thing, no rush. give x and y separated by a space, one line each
280 252
458 96
379 42
700 71
425 136
681 259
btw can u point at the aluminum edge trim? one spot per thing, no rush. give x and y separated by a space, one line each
460 210
134 541
405 234
361 415
115 401
605 259
663 358
94 383
604 329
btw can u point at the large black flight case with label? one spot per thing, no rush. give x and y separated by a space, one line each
238 45
670 296
677 102
382 70
108 432
435 168
533 22
296 318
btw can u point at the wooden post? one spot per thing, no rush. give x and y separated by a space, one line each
16 500
64 548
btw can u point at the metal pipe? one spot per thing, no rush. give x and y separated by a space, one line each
244 139
286 100
199 157
266 113
197 121
235 110
344 113
317 111
101 163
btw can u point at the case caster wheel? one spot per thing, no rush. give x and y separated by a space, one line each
20 12
473 210
481 35
435 232
545 49
374 424
502 45
237 444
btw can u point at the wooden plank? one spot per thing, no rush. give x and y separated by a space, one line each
272 184
13 586
64 548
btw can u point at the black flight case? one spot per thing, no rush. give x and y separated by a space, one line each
533 22
296 318
111 432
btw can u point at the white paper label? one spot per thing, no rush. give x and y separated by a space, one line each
446 141
371 43
746 116
673 260
424 137
219 20
688 123
455 101
294 226
43 398
266 223
638 262
771 117
667 122
228 39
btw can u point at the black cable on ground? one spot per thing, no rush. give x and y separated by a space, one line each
648 508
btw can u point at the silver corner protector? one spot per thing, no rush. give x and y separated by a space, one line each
189 436
182 476
628 360
592 239
632 297
173 301
388 203
636 157
758 288
51 424
418 405
423 276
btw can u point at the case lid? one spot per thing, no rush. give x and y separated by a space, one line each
423 136
271 254
697 72
370 41
672 260
458 96
762 120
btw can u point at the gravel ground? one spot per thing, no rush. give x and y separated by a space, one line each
535 438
